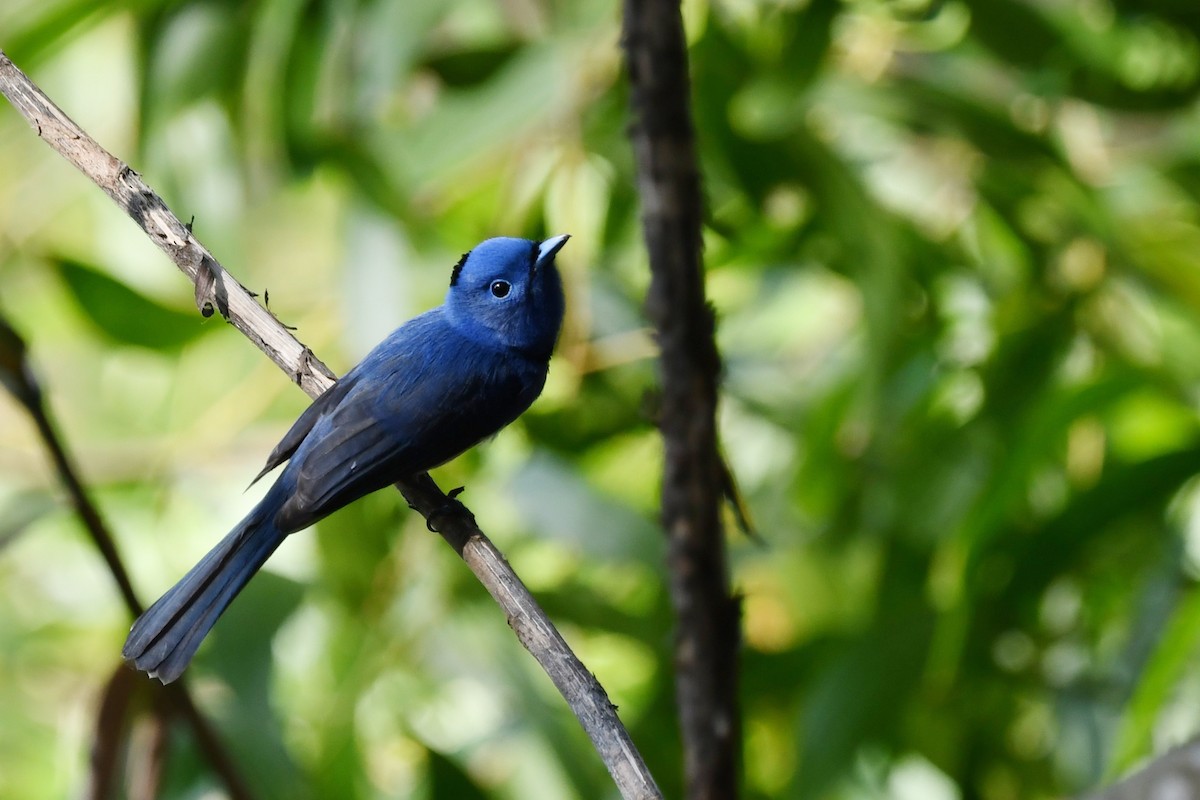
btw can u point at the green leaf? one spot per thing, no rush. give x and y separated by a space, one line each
448 780
1171 660
124 315
470 67
241 652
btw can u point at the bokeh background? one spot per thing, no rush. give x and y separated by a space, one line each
954 248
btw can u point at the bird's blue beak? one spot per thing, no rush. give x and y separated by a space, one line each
548 248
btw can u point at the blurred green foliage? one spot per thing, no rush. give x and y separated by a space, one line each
955 252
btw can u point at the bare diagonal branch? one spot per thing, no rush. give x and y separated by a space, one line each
217 290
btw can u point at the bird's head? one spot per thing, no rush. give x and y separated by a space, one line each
507 292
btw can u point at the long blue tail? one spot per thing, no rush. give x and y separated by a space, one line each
164 639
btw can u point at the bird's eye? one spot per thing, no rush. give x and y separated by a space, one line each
501 288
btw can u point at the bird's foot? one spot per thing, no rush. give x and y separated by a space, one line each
451 507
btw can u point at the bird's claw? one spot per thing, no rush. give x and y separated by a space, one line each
451 506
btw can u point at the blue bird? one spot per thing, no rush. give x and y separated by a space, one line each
439 384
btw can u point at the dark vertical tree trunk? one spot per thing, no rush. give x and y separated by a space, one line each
707 638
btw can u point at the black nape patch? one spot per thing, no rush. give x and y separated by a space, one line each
458 268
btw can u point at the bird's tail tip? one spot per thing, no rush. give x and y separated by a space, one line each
163 640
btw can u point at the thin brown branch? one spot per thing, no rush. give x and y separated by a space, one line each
88 514
108 738
707 638
215 289
207 740
149 770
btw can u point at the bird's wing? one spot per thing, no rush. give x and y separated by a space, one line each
381 431
305 422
